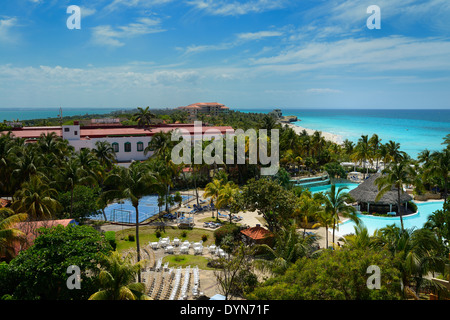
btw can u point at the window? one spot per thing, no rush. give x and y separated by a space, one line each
115 146
66 129
127 147
75 133
140 146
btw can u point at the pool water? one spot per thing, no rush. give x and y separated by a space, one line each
372 223
327 187
125 212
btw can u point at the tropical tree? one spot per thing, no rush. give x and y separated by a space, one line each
9 234
335 203
269 199
227 196
289 246
394 152
40 272
161 145
394 176
362 152
75 173
143 116
36 199
105 154
117 279
212 190
374 144
415 252
439 167
132 183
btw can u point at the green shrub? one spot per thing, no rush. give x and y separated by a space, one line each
184 234
131 237
110 236
228 229
204 237
412 206
158 233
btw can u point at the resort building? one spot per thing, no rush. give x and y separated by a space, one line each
205 108
128 142
366 193
30 229
257 235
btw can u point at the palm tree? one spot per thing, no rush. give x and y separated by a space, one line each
161 144
335 202
439 167
362 152
105 154
74 173
144 117
132 183
36 199
414 252
212 190
289 247
394 176
8 233
6 163
117 280
308 209
268 122
361 239
393 149
374 143
227 195
447 140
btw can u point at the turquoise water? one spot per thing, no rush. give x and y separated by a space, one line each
325 188
44 113
415 130
412 221
148 207
372 223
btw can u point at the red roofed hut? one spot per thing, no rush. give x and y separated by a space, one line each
257 235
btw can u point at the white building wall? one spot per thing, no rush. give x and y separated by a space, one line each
73 136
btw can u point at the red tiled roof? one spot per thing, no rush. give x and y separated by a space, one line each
4 203
30 228
35 132
257 233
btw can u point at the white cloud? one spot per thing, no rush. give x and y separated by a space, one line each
106 35
258 35
363 55
86 12
240 39
119 4
322 90
6 26
235 8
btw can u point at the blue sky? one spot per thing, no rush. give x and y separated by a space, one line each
245 54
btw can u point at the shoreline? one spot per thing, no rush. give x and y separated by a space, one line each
327 135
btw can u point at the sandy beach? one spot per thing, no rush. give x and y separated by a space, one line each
328 136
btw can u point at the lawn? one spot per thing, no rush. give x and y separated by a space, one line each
148 234
185 260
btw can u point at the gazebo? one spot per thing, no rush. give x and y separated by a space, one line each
367 191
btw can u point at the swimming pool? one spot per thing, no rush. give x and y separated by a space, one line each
125 212
372 223
327 187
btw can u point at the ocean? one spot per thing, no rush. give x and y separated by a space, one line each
415 130
44 113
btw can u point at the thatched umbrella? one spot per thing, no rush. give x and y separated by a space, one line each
367 191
